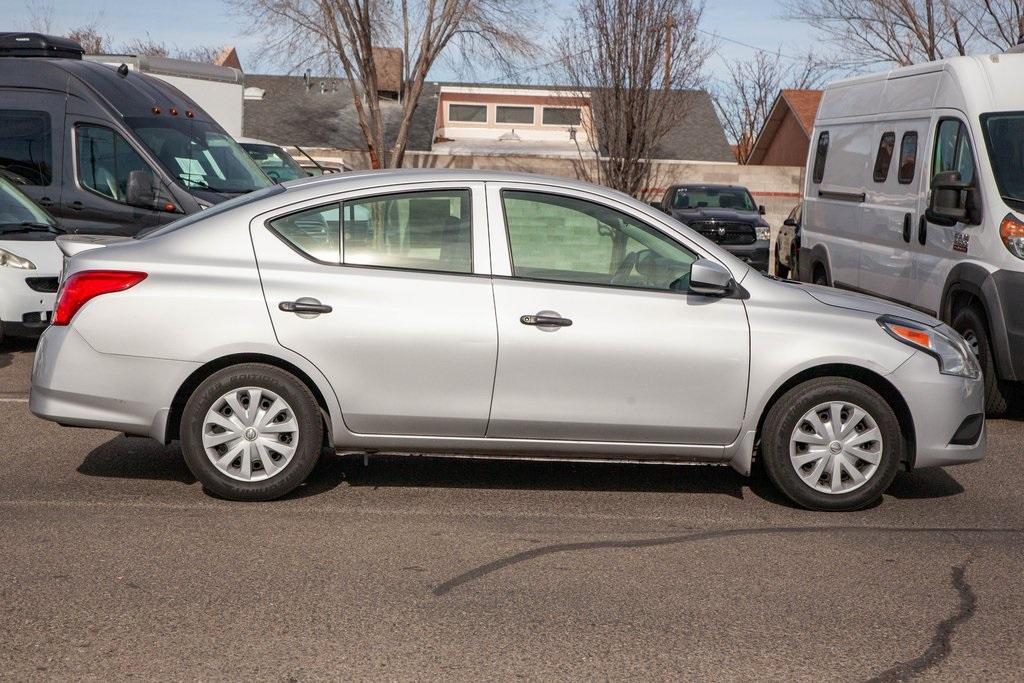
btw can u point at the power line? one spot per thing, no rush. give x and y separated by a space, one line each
766 51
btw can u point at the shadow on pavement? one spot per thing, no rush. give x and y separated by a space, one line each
12 345
133 458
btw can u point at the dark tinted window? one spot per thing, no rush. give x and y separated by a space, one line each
819 157
908 158
418 230
884 157
26 148
713 198
514 115
467 113
105 160
561 116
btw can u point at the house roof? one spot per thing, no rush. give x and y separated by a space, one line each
321 114
802 104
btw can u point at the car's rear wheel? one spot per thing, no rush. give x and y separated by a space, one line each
251 432
832 443
970 323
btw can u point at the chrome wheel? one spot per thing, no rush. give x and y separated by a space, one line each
836 447
250 434
972 342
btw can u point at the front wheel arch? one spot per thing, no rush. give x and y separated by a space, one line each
871 379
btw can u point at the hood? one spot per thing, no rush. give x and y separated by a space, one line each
866 304
708 214
44 254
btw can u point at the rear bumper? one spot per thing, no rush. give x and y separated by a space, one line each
755 254
944 408
73 384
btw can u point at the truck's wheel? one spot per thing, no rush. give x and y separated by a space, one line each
820 278
970 323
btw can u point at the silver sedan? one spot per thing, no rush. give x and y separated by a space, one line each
491 314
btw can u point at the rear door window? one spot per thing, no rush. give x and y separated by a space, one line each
883 159
314 232
908 158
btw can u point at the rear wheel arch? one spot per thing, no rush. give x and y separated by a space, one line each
866 377
192 382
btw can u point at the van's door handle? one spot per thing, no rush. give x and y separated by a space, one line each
922 230
304 305
45 201
542 320
907 219
77 205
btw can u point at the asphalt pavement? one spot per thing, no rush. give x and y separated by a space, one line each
115 564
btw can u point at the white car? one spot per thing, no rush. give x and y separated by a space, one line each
29 263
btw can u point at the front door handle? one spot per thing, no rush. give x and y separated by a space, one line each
545 320
45 201
907 221
304 306
77 205
922 230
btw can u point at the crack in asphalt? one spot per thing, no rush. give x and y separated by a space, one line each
534 553
941 644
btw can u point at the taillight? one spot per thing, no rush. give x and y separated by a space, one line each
1011 231
88 284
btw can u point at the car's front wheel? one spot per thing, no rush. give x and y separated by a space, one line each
251 432
832 443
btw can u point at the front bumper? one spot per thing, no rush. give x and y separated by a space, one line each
755 254
75 385
943 408
23 311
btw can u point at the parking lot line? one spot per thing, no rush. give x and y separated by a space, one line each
13 400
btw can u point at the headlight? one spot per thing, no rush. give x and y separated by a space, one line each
14 261
763 232
942 342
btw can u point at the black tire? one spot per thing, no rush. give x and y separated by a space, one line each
820 278
970 323
306 413
780 270
782 420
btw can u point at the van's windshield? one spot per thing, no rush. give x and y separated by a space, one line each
198 155
1004 137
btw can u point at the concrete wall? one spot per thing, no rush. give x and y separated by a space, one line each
776 187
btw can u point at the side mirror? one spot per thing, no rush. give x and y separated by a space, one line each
142 190
760 209
710 277
791 222
953 201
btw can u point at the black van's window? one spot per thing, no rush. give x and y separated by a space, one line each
953 150
820 156
884 157
104 161
26 146
908 158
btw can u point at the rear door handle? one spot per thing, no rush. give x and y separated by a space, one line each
77 205
922 231
304 306
543 320
907 220
45 201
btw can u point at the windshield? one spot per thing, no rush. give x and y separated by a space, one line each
16 208
735 198
1004 137
199 156
274 161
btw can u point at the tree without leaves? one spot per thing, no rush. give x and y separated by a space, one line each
632 60
746 98
341 35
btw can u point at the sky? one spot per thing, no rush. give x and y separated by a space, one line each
189 23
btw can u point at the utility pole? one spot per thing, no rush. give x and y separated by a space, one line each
667 76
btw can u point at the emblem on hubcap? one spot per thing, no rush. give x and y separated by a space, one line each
250 434
835 447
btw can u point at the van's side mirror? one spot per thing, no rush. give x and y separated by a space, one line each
791 222
760 209
953 201
142 190
710 277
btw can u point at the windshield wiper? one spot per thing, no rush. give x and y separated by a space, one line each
29 226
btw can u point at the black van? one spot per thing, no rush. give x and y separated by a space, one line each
108 150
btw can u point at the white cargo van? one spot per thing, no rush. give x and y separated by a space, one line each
915 193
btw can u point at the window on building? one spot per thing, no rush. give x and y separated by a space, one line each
908 158
561 116
820 155
26 147
105 161
953 150
418 230
564 239
522 115
315 232
884 157
467 113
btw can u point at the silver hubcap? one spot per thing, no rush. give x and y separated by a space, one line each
972 341
250 434
836 447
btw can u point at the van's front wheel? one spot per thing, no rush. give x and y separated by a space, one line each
970 323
